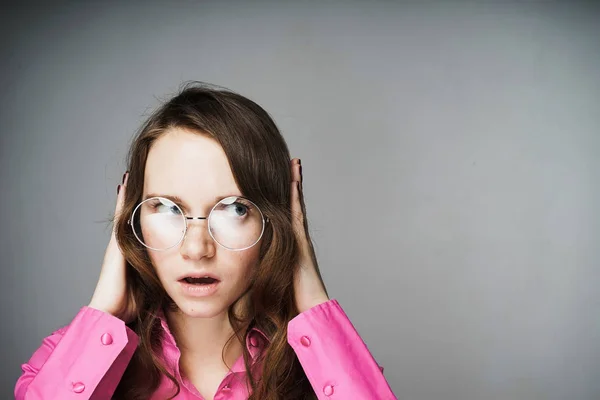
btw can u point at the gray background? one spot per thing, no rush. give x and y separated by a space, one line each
450 153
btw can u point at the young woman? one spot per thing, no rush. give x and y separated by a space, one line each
209 288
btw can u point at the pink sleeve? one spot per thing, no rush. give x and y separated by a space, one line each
84 360
335 359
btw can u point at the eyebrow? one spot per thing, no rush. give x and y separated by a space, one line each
178 200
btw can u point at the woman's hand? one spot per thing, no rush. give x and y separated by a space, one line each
308 284
111 290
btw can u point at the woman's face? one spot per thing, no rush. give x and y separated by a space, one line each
194 168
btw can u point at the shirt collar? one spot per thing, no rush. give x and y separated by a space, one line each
256 341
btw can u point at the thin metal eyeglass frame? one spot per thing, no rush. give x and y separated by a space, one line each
186 217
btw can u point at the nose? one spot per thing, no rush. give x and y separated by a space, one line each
197 242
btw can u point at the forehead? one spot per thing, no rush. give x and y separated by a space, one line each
190 165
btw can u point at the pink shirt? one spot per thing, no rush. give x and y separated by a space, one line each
86 359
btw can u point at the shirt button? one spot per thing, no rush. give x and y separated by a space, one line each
106 339
226 388
328 390
253 341
305 340
78 387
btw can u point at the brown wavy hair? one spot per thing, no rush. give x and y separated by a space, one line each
260 162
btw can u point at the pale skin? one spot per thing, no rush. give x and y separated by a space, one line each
176 159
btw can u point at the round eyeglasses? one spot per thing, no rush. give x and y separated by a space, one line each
235 223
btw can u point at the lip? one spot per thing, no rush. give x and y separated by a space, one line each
192 290
199 290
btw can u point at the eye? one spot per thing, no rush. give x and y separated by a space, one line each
165 206
239 209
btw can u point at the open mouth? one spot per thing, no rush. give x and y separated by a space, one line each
199 286
207 280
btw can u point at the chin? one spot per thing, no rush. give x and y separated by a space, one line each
201 308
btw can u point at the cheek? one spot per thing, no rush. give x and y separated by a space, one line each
243 265
160 261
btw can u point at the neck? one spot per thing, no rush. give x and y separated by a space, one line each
205 338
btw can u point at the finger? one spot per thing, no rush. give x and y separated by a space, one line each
121 193
299 217
296 206
120 197
296 170
296 173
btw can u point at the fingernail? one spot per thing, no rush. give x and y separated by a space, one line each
124 176
299 161
118 188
